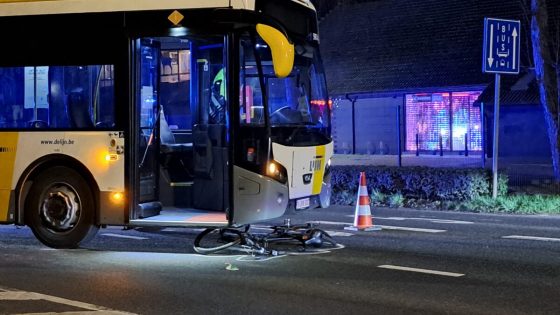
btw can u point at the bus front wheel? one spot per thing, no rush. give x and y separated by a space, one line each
60 209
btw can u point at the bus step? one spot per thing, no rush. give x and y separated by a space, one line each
149 209
181 184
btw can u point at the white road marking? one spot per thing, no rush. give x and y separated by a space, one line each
337 233
125 236
385 227
170 229
309 251
532 238
331 223
433 220
13 295
253 258
450 221
317 251
433 272
402 228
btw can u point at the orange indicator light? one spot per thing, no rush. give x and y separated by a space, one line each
117 196
111 157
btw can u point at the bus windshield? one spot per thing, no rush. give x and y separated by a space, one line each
300 99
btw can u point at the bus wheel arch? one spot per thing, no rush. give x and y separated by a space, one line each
59 201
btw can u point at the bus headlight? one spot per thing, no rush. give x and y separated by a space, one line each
277 172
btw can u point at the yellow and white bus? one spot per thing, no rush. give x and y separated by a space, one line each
181 113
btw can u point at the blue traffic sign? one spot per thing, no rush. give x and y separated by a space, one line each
501 46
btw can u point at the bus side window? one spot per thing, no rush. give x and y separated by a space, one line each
11 106
57 97
89 95
79 110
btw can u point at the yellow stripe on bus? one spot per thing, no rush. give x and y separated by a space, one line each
8 148
318 173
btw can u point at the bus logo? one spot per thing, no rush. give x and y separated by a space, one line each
307 178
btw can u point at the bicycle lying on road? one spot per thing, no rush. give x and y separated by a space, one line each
285 237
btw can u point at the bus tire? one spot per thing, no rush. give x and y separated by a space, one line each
60 209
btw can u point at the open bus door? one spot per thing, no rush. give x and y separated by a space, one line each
211 183
182 152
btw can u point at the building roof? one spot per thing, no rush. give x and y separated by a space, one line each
399 45
514 90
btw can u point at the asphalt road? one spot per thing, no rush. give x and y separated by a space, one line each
421 262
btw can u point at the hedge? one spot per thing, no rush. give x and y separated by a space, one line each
433 184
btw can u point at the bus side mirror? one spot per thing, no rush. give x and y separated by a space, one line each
281 48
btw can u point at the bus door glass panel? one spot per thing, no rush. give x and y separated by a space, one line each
175 118
148 53
251 110
210 85
210 141
251 142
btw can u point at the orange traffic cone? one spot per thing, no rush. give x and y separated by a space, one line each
363 221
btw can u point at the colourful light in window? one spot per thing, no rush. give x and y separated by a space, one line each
449 116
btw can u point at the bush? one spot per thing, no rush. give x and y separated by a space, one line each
503 184
378 198
419 183
343 197
522 204
436 188
396 200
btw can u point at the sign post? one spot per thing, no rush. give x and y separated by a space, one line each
500 56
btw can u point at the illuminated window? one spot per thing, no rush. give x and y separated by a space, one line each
449 118
175 65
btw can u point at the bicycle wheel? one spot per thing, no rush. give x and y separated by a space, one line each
213 240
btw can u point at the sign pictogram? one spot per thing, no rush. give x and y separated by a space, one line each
501 46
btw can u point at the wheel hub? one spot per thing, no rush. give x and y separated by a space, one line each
60 208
